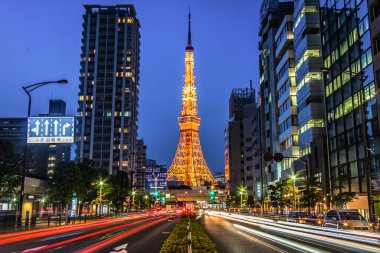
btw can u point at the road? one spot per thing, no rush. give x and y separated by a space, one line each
240 234
127 234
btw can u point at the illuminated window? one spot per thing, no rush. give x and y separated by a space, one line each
130 20
347 105
127 114
309 77
306 55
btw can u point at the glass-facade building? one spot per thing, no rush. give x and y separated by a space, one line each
351 106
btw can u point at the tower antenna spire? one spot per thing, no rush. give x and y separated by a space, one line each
189 46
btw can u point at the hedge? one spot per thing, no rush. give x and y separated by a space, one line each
177 241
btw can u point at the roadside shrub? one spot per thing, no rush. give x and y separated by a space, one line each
177 241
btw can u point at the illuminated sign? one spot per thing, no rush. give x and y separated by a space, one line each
51 129
155 178
258 190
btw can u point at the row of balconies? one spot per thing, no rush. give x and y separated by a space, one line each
310 111
292 110
310 89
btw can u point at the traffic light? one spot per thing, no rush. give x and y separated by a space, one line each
156 194
212 194
162 200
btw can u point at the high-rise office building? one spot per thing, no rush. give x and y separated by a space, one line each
109 87
351 103
274 82
234 160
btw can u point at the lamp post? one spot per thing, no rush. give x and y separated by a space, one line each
133 197
242 190
100 196
294 190
28 89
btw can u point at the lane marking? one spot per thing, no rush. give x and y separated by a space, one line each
119 237
60 236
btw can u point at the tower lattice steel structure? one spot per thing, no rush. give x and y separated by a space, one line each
188 164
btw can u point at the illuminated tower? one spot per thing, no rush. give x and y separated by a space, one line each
188 164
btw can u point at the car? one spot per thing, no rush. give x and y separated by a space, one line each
346 219
297 217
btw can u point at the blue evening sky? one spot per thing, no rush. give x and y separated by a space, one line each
40 40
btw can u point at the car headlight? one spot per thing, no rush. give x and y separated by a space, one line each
345 224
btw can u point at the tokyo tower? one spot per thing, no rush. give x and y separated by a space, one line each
189 165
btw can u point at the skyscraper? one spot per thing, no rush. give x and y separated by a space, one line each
188 164
109 87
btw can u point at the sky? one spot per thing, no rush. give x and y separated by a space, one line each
41 41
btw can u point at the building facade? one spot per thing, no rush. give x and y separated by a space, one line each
272 17
141 162
310 92
236 173
351 104
109 87
287 99
252 152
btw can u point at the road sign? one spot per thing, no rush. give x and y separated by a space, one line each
155 178
51 129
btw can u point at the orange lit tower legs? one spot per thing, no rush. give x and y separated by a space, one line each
188 164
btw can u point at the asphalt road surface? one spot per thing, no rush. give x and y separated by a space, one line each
132 234
240 234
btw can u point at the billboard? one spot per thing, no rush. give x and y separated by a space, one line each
51 130
155 178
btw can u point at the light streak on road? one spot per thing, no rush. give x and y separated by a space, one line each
343 240
78 238
290 224
121 236
44 232
277 239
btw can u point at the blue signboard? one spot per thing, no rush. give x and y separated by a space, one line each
155 178
51 129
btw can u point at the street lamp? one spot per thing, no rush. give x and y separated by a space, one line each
28 89
133 197
242 190
294 190
100 196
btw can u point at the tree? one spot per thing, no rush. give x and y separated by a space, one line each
280 194
88 190
340 198
120 189
311 192
65 181
10 168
